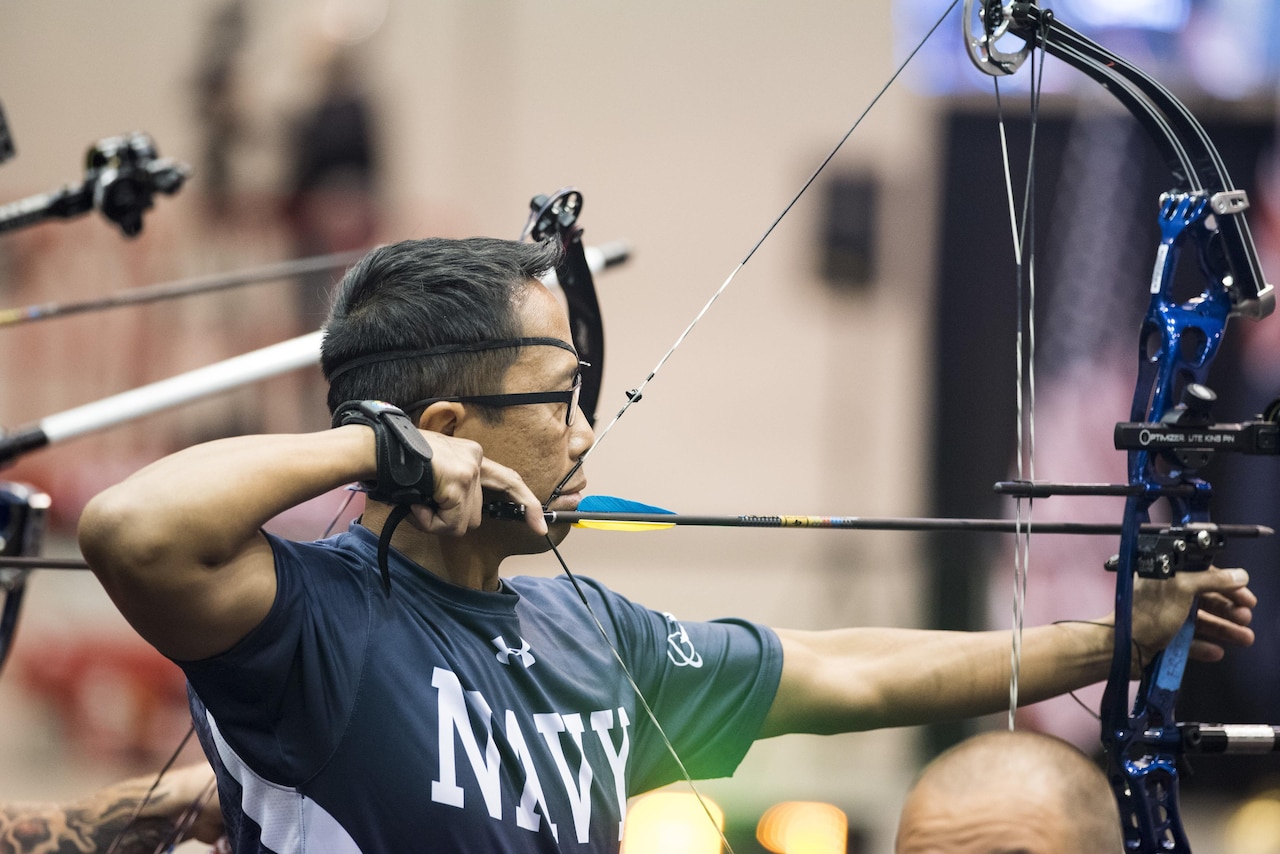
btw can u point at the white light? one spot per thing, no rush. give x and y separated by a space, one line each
352 21
1167 15
672 823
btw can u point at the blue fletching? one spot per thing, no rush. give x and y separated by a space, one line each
610 504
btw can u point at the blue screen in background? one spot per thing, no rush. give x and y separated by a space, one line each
1227 49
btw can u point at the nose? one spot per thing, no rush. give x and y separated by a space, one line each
580 435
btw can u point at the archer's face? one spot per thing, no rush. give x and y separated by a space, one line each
533 439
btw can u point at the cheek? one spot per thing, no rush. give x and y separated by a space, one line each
546 460
532 444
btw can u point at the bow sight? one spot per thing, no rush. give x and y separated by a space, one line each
122 176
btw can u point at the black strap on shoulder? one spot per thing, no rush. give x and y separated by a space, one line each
394 518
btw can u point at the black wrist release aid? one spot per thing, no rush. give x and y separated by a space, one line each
404 457
404 465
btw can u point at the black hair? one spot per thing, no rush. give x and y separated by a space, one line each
420 294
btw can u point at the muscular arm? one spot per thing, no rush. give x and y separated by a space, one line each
94 823
856 679
178 545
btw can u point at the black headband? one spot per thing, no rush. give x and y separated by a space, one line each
445 349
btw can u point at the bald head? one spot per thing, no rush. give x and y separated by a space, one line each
1010 793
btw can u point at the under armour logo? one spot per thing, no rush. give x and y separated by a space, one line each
523 655
679 647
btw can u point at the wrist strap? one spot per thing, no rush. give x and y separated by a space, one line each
404 474
404 457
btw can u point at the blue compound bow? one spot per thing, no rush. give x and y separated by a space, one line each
1170 435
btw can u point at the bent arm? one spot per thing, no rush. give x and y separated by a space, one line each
178 545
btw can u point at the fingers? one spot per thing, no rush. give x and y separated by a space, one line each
1222 633
1225 612
190 785
462 474
456 465
499 477
1230 582
1205 652
1222 619
1225 607
1228 608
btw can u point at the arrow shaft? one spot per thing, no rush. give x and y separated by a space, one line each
872 523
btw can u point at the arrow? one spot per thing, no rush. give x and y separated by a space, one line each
619 514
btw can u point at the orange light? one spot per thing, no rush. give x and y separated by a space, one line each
672 823
1254 827
804 827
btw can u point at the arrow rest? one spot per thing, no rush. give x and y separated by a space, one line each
1189 548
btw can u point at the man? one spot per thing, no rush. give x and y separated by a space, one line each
1004 792
387 690
124 818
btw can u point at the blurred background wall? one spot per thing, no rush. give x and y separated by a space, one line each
317 125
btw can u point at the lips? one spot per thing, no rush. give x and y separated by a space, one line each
569 497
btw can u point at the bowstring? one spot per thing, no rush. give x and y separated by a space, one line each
644 702
635 394
188 818
633 397
1023 234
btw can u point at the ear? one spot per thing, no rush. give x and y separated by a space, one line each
441 417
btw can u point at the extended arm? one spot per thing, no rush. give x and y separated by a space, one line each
856 679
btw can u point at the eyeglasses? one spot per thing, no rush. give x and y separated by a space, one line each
569 397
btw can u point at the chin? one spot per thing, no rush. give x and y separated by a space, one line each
529 543
556 533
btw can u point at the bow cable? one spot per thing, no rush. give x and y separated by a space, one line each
644 702
1024 355
635 394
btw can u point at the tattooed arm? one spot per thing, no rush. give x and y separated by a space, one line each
92 824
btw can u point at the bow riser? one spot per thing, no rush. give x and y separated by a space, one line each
1178 341
1177 346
